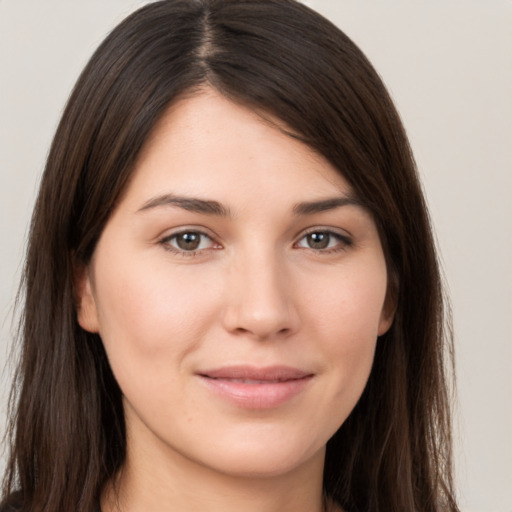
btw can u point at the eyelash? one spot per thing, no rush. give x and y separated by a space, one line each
166 243
343 242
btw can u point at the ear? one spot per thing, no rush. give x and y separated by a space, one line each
390 304
85 303
385 322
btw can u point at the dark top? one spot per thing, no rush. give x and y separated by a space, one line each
14 503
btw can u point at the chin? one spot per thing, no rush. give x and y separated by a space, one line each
261 464
267 453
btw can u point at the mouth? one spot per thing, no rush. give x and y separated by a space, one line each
256 388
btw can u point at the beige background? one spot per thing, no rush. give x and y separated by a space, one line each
448 65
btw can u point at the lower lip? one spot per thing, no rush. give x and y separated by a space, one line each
265 395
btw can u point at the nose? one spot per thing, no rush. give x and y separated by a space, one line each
261 302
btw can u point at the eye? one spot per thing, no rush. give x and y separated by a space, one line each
324 240
188 241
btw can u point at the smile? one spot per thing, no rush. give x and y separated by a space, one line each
256 388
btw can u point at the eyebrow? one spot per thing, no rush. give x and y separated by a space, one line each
211 207
323 205
191 204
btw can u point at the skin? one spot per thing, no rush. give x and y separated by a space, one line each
256 291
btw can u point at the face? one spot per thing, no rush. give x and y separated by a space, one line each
239 291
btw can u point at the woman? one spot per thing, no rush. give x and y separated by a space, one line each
232 298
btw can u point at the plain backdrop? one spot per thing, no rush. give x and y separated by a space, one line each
448 65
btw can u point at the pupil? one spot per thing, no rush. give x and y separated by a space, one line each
318 240
188 241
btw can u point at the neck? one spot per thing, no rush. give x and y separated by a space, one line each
164 482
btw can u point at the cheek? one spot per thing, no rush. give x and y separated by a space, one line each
150 321
345 317
145 311
348 304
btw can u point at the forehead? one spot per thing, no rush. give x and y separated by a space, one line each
207 145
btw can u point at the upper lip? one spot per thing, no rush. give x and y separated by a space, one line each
246 372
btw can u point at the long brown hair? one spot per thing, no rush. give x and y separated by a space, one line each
67 426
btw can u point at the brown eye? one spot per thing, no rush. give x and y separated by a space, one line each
324 240
188 241
318 240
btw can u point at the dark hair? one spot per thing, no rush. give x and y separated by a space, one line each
277 57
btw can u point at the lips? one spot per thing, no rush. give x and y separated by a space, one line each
256 388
